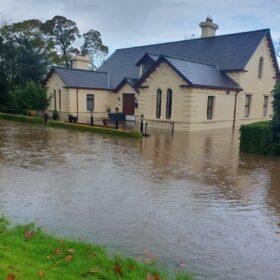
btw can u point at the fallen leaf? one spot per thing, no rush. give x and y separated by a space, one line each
41 274
71 251
49 257
29 234
57 251
149 276
92 255
118 269
11 277
69 258
131 267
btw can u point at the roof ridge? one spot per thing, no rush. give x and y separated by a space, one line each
189 60
85 70
188 40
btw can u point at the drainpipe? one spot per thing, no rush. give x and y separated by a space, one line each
235 109
77 101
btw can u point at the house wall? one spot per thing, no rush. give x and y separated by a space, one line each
258 88
189 108
102 98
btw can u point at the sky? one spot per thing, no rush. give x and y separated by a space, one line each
126 23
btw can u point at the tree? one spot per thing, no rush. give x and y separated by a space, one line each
276 111
63 33
29 97
94 47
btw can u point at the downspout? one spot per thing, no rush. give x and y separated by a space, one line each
77 102
235 109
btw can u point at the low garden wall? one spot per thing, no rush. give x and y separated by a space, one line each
257 138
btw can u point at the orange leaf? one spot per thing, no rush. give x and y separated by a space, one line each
149 276
69 258
41 274
29 234
11 277
118 269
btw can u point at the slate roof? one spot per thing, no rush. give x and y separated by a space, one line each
197 74
201 61
76 78
228 52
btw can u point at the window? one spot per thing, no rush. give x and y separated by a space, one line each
169 104
54 98
265 105
158 107
210 107
248 105
260 70
59 99
90 102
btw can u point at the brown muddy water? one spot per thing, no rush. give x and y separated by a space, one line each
187 198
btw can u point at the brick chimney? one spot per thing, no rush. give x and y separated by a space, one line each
208 28
81 62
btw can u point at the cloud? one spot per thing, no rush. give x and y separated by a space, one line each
125 23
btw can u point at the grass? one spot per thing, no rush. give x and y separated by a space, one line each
28 253
96 129
21 118
79 127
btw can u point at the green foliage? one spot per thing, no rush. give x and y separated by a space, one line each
63 32
258 138
94 129
94 46
21 118
55 115
27 98
29 253
276 111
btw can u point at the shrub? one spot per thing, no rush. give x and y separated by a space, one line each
55 115
276 111
258 138
27 98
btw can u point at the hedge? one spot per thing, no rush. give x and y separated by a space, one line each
257 138
95 129
21 118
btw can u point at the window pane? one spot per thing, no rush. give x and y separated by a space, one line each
158 105
169 104
210 107
90 102
247 105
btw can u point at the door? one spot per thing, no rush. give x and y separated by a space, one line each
128 104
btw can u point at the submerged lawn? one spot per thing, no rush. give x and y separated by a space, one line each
28 253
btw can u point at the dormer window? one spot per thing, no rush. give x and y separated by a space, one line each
260 70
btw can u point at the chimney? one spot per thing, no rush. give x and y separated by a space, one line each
81 62
208 28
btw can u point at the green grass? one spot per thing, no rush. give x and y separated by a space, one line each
28 253
21 118
96 129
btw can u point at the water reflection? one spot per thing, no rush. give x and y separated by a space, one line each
190 196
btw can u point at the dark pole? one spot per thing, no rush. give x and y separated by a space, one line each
91 119
46 118
142 123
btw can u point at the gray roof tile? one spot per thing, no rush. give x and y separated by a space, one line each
77 78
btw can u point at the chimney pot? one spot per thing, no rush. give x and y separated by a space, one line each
208 27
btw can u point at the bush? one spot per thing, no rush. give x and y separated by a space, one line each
258 138
56 115
30 97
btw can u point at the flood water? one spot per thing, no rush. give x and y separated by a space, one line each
190 197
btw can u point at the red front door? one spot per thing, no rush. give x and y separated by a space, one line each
128 104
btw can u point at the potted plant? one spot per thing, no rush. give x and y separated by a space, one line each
105 121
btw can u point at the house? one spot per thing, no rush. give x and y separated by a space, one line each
204 83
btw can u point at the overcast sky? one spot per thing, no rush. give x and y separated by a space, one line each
125 23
